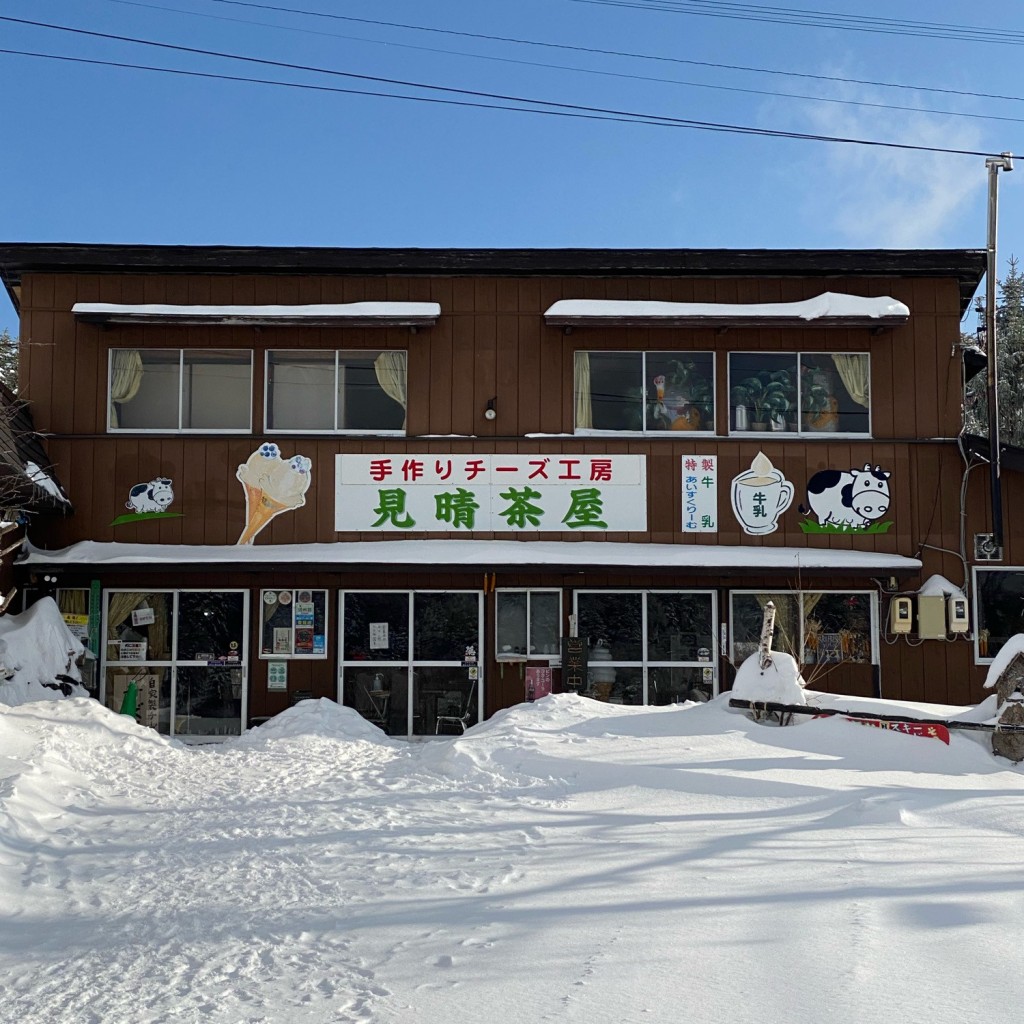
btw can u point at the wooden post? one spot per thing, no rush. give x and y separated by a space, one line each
767 632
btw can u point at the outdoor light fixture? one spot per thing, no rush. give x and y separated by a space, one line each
490 412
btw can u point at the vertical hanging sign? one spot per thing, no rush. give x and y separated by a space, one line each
700 494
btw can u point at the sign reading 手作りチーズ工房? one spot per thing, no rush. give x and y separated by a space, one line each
464 493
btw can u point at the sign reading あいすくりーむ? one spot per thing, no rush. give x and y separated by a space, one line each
517 493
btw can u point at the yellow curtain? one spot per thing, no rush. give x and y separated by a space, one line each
391 370
125 378
581 389
853 372
122 604
73 602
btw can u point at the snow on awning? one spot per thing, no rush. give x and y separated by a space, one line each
489 555
830 309
348 314
42 479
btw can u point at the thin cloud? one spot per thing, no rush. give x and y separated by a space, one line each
885 197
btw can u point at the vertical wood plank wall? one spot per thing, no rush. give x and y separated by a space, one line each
491 342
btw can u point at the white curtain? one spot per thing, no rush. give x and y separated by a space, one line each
125 379
581 389
853 372
391 371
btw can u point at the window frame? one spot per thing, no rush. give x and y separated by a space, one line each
976 622
179 429
173 663
499 655
798 355
645 396
799 594
335 430
645 663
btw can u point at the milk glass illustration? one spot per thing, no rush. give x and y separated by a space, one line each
760 495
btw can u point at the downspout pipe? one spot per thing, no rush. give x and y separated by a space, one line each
995 164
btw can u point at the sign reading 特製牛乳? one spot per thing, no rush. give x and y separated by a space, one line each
518 493
700 494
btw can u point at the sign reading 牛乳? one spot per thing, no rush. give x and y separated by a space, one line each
700 494
507 493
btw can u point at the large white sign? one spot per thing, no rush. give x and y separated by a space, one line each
507 493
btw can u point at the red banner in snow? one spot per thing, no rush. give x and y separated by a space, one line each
930 730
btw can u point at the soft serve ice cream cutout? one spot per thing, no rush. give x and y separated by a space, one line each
272 485
760 495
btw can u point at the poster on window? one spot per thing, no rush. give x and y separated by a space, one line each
294 624
465 493
700 494
538 682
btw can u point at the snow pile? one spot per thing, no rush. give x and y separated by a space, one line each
779 683
1013 646
323 718
939 586
36 647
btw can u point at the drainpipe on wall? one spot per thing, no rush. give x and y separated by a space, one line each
995 164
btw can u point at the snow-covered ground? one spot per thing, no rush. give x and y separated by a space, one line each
565 861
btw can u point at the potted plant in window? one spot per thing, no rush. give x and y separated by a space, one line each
818 403
763 396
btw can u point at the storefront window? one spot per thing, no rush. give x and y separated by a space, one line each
807 392
294 623
411 662
185 651
999 609
528 623
649 647
644 391
816 628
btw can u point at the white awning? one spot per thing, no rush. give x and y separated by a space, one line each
830 309
682 559
348 314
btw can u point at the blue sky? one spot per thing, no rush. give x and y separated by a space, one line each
101 154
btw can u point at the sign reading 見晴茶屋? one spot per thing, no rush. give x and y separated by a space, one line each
517 493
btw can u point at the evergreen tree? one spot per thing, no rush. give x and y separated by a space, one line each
9 360
1010 341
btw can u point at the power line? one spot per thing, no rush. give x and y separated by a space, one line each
819 19
560 109
775 94
613 53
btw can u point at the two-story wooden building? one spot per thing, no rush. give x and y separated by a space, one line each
401 478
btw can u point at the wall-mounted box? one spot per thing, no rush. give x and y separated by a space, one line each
901 615
956 613
931 617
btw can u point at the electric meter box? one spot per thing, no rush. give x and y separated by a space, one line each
931 617
956 611
901 615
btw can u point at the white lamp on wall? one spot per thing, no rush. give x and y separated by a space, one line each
491 412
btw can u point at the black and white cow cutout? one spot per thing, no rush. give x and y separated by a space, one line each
155 496
848 498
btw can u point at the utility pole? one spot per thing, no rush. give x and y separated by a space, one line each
995 164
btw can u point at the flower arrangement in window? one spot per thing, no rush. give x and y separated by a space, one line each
682 399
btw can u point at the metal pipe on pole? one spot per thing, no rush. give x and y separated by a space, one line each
995 164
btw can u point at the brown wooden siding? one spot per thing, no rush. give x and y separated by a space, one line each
491 341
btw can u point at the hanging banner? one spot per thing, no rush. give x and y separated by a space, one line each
518 493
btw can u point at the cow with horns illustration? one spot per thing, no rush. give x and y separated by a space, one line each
855 497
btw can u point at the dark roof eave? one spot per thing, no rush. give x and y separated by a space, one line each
967 266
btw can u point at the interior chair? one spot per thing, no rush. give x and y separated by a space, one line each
461 715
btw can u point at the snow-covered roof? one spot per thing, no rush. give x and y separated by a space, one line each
487 553
349 313
833 308
42 479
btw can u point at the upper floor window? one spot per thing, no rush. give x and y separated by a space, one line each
180 389
807 392
644 391
314 390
